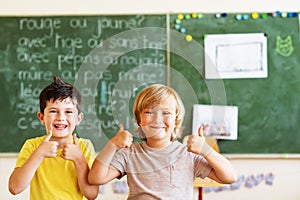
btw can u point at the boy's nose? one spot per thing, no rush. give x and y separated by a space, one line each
158 117
61 116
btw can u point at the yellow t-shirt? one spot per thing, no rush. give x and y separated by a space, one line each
55 178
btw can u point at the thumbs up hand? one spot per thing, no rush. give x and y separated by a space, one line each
196 143
123 138
48 148
71 151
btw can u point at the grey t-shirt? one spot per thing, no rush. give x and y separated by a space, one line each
166 173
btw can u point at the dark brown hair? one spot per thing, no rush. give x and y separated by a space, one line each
59 90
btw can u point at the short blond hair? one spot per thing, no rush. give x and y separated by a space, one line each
154 95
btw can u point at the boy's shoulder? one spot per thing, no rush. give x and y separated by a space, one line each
33 143
84 140
37 139
86 144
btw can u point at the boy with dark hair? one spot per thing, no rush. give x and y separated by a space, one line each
57 164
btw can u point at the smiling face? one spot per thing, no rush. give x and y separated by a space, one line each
159 112
60 116
158 122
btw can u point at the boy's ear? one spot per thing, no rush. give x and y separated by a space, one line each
79 118
41 117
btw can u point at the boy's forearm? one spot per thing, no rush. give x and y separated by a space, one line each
101 164
106 155
89 191
222 168
22 176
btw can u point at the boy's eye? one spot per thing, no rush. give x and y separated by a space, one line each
166 113
69 111
52 111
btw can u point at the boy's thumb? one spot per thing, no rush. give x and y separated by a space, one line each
200 131
49 135
121 127
75 141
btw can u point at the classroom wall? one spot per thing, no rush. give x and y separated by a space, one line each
284 185
286 169
17 7
286 173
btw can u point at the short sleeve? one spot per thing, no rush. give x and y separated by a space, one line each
25 152
201 166
119 160
88 150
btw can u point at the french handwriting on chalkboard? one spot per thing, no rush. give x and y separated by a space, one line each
37 48
34 49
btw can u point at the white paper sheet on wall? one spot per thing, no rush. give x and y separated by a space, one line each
236 56
220 122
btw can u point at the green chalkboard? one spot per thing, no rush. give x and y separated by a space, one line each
110 58
105 57
268 108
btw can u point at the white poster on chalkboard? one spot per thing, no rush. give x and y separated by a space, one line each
220 122
235 56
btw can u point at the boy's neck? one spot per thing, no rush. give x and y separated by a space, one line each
158 144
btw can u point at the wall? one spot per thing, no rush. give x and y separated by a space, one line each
284 186
285 183
286 170
17 7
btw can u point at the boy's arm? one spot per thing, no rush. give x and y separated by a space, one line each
102 172
22 176
73 152
222 170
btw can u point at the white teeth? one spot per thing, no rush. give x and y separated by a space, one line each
60 126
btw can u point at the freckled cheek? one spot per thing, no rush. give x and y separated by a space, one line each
145 120
72 119
49 119
170 121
